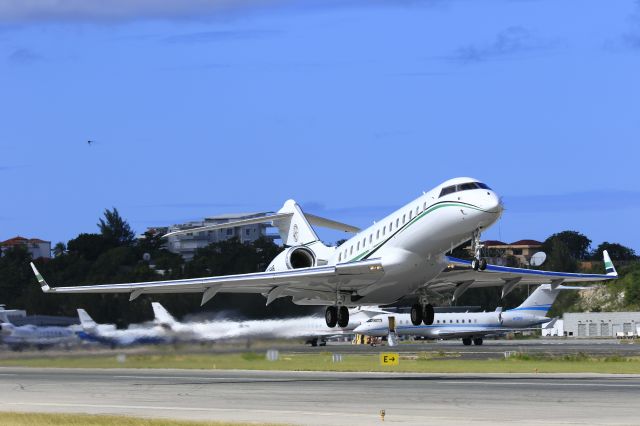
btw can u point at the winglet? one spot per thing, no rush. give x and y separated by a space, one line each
608 265
43 284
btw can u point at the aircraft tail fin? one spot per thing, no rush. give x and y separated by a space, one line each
539 302
608 265
161 315
85 320
294 230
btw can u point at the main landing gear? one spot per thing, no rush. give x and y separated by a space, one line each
336 315
476 341
422 314
478 264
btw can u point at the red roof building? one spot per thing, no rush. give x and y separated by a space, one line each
35 246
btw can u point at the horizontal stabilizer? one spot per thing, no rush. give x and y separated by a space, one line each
331 224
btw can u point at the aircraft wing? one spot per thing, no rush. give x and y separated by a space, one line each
460 276
304 283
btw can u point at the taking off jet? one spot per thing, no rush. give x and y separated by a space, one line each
401 254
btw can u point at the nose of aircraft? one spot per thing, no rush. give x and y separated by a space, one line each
494 204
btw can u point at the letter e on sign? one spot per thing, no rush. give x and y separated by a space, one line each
389 358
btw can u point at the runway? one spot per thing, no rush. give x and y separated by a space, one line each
322 398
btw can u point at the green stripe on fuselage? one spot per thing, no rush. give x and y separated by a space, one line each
432 208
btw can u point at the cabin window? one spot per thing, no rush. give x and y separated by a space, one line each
411 215
340 257
370 238
417 210
384 230
463 321
457 321
397 222
425 206
358 246
404 217
378 234
351 250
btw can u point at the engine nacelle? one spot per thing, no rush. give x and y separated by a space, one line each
293 258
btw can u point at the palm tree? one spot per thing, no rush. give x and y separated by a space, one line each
59 249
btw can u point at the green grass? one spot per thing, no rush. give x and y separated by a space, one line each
46 419
427 362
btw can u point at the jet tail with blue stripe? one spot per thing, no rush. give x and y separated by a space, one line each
540 301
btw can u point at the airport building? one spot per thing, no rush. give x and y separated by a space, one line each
187 244
596 324
522 250
36 247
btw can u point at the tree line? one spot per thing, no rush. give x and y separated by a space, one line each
115 255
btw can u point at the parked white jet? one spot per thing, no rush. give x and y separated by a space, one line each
312 328
469 326
399 255
18 337
108 334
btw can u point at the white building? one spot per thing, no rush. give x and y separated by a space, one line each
36 247
187 244
598 324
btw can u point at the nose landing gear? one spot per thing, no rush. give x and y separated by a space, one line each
478 264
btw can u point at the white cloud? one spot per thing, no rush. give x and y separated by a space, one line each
20 11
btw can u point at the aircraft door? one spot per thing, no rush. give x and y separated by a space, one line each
392 324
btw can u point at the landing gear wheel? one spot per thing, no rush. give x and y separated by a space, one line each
331 316
428 314
483 264
475 264
416 314
477 341
343 316
466 341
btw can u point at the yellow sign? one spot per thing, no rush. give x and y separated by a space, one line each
388 358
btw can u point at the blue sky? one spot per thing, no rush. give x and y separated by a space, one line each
350 107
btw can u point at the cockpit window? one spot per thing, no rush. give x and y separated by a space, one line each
448 190
462 187
467 186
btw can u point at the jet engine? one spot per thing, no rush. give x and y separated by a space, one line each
293 258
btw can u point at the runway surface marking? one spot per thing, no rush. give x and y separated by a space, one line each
508 382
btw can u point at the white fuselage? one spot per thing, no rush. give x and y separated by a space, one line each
412 241
451 325
32 335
